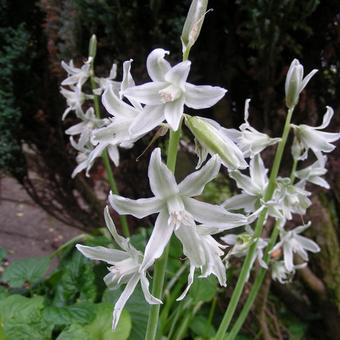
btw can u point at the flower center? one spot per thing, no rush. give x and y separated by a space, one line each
170 94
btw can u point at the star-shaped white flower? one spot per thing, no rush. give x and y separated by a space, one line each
318 141
76 76
105 83
175 204
250 141
292 242
169 91
124 268
281 273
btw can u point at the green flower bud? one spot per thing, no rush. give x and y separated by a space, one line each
93 46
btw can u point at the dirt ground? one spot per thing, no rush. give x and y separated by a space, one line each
25 229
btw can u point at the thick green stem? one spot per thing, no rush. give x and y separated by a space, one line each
160 265
106 159
257 233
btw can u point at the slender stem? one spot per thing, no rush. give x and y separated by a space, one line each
258 230
212 310
260 275
105 157
160 265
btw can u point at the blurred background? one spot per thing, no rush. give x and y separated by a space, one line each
244 46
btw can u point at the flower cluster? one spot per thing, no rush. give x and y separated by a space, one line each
202 228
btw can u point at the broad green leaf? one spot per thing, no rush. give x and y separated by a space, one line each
81 313
29 270
74 332
3 254
136 306
101 327
200 326
203 289
3 292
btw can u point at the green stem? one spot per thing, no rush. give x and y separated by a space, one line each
160 265
212 310
260 275
258 230
106 159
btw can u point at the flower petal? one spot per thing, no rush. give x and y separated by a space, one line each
145 287
307 79
241 201
102 254
173 112
156 65
190 282
162 180
202 96
326 118
178 74
307 244
159 239
114 154
118 308
213 214
138 208
147 93
193 185
147 120
258 172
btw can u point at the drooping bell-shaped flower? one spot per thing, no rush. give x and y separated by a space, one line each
76 76
281 274
292 243
75 99
104 83
169 91
295 83
124 268
174 204
312 138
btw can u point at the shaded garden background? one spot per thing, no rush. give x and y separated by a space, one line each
245 46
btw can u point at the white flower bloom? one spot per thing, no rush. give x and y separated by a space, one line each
105 83
74 99
253 187
291 198
291 242
295 82
250 141
85 127
209 134
170 91
319 141
174 204
76 76
125 268
281 273
242 242
314 172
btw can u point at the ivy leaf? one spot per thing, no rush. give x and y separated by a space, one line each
30 270
73 332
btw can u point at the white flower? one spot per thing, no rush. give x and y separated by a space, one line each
295 82
125 268
74 99
242 242
282 274
169 91
85 127
253 187
291 198
291 242
76 76
174 204
250 141
319 141
211 138
105 83
314 172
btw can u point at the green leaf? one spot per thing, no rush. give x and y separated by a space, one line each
101 327
3 254
136 306
203 289
29 270
200 326
74 332
81 313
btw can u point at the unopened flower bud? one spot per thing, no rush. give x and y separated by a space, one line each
216 142
93 46
193 23
295 83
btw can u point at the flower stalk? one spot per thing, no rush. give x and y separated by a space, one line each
258 230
